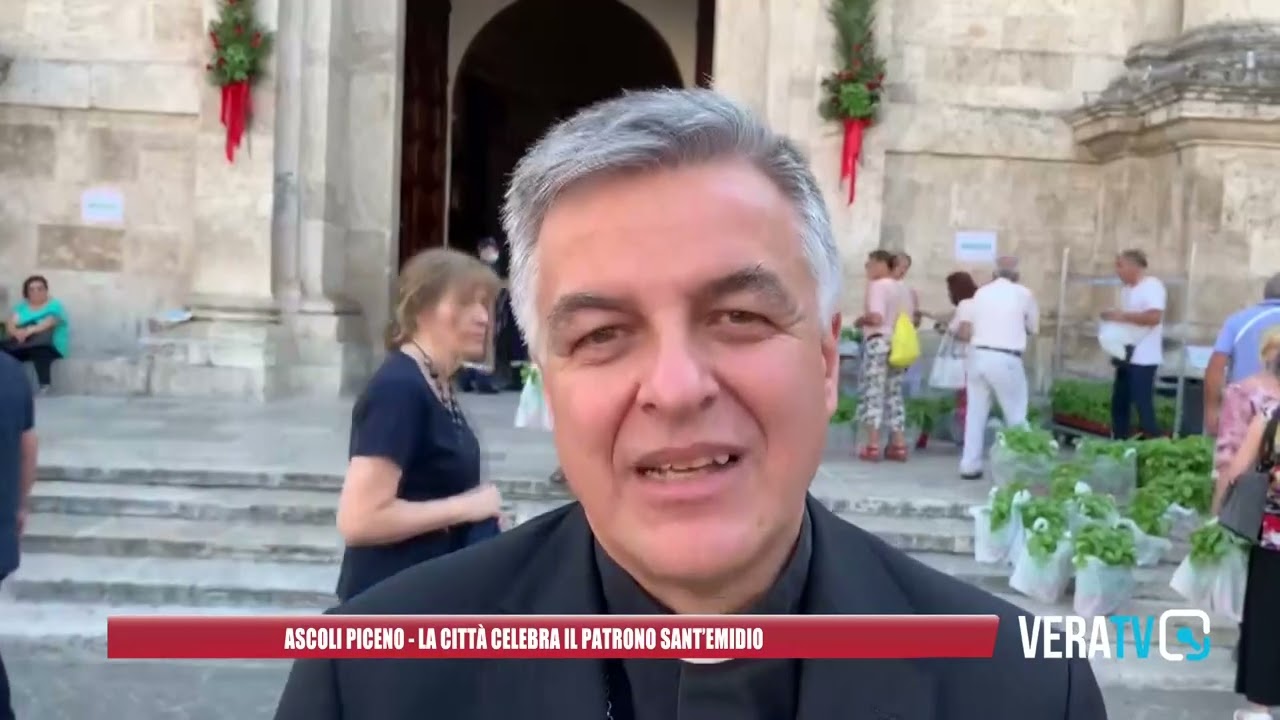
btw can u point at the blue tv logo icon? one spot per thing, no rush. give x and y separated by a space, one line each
1185 636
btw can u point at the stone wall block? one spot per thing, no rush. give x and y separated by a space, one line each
180 23
27 151
113 154
147 87
72 247
154 252
46 83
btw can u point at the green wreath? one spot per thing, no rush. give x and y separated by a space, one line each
240 44
852 91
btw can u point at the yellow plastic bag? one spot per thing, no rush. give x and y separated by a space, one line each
904 345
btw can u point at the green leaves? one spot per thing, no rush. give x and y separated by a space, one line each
1113 546
1090 401
1210 543
1063 480
240 44
1049 513
853 89
1092 449
1095 506
1029 442
1147 510
1002 504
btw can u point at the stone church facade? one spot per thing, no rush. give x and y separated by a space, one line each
1069 128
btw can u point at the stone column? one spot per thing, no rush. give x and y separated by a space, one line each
287 210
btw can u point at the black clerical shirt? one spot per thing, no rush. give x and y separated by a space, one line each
735 689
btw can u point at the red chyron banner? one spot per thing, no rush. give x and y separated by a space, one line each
710 637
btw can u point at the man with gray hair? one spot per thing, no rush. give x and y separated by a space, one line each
1236 353
996 324
676 274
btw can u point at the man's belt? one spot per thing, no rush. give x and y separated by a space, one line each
1006 351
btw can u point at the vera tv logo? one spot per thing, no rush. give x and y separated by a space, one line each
1073 636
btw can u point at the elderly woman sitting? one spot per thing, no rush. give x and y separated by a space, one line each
37 331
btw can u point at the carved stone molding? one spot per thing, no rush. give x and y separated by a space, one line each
1219 83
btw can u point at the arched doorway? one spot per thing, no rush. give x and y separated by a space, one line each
535 62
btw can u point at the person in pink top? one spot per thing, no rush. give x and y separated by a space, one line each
879 385
1257 394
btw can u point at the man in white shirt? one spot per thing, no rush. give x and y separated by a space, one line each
1142 304
996 324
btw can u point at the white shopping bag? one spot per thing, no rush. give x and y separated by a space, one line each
1044 581
1102 589
532 412
948 371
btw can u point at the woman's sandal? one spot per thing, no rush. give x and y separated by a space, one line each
896 453
870 453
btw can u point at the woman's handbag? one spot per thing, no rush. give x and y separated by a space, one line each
1244 505
948 371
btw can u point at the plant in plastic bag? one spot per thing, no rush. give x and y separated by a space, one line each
1046 512
1023 454
1213 576
1105 556
1111 544
1002 503
1094 507
1188 489
991 545
1113 466
1149 510
1042 566
1148 549
1064 478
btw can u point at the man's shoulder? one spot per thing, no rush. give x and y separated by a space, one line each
467 582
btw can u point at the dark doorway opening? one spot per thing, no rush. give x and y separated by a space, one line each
424 126
534 63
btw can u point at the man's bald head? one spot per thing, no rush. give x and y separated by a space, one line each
1007 268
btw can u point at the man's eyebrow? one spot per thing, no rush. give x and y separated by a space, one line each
754 280
566 306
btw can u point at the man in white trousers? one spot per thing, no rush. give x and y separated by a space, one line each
1003 313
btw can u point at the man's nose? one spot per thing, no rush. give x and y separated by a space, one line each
679 381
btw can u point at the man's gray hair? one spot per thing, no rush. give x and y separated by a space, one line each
651 130
1271 291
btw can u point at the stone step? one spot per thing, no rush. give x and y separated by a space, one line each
148 537
63 625
239 505
160 582
176 537
59 478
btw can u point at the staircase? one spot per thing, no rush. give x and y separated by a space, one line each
157 542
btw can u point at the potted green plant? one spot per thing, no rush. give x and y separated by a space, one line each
1213 575
1028 453
1104 558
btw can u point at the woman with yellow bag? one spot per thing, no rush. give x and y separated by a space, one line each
889 346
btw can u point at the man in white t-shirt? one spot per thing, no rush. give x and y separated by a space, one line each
1142 304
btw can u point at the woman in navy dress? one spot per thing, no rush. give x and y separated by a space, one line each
412 491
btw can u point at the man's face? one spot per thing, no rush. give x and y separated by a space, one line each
687 368
1126 270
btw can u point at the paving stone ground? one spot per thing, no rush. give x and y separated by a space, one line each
303 437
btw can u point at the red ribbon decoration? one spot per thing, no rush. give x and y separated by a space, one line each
851 152
237 105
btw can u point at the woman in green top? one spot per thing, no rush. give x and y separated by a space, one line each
37 330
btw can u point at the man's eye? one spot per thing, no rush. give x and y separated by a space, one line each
738 317
599 337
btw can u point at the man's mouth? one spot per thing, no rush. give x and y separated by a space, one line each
689 468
